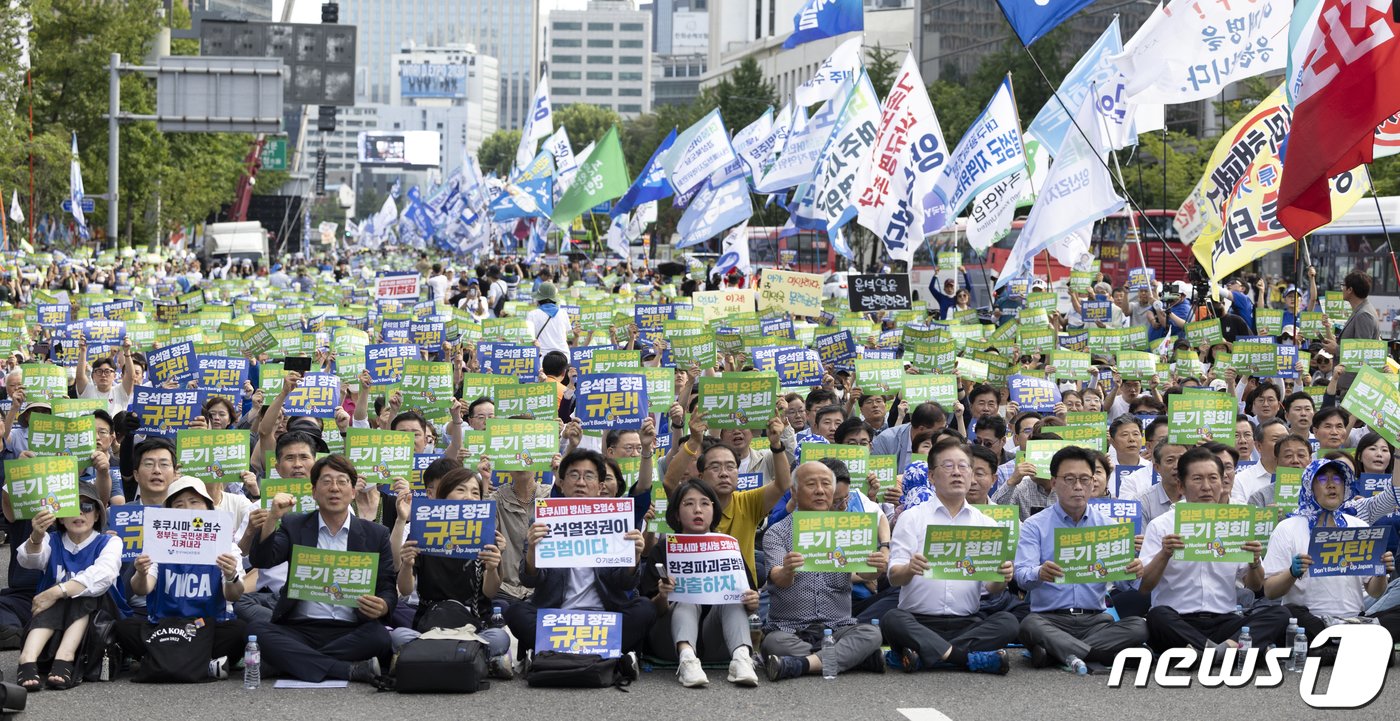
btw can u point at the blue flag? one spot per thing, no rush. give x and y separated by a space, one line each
825 19
525 199
651 184
715 209
1032 19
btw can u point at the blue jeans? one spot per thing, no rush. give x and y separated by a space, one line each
497 640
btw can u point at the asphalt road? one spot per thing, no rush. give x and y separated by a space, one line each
1024 694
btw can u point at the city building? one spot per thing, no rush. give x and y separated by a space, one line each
506 30
342 145
757 28
455 76
601 56
234 9
681 40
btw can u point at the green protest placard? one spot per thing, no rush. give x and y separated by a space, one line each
1288 482
1374 399
1204 332
536 401
1136 365
698 349
1264 519
608 361
883 466
1357 352
427 387
738 400
856 458
44 382
1042 301
1214 532
1040 452
1336 307
75 407
1081 280
1069 365
1202 416
212 456
835 540
380 456
661 386
55 436
1095 554
660 504
940 389
949 260
335 577
879 377
1269 321
298 488
1312 324
1008 517
1037 339
483 385
42 484
967 553
517 445
1259 359
270 378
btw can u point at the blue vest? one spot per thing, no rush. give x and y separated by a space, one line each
187 590
64 565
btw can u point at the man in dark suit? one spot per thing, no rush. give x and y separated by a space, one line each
582 589
318 641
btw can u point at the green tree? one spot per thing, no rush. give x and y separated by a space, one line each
1143 179
882 67
585 123
497 152
956 109
742 96
1032 90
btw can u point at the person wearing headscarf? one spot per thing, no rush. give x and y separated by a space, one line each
1318 601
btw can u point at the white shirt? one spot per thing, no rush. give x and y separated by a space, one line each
1252 479
326 540
239 507
1137 483
1190 586
117 398
438 288
1329 596
550 333
925 595
96 579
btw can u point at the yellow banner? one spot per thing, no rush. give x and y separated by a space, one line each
1231 213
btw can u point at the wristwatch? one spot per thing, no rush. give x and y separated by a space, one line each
778 448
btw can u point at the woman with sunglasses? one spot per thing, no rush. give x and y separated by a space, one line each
80 565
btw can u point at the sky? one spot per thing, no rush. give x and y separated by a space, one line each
309 11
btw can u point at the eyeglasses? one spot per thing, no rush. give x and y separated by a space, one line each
955 466
1078 481
103 372
586 476
719 466
1329 481
151 463
335 481
987 442
87 507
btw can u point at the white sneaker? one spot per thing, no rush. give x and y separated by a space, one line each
218 668
741 671
690 674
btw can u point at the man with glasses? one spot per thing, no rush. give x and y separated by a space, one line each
761 460
480 411
612 589
317 641
103 384
940 624
1068 624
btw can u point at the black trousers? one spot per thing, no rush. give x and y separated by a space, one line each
1167 628
229 638
932 636
318 650
638 615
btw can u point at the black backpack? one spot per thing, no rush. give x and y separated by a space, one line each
553 669
441 665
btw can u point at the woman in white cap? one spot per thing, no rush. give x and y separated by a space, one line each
200 593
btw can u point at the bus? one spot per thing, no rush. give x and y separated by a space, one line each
1356 241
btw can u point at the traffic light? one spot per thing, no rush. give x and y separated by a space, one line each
325 118
330 13
321 171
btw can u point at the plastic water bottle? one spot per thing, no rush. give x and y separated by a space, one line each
1077 665
497 619
1299 659
1239 610
252 664
828 655
755 631
1292 628
1240 653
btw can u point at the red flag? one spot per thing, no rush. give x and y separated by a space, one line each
1350 85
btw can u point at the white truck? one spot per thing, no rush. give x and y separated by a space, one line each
237 240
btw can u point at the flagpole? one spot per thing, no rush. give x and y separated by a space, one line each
1118 170
1021 133
1073 120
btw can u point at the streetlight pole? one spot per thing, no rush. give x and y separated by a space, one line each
114 109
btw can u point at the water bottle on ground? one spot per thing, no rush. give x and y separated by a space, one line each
828 655
1299 659
755 631
497 619
1243 651
1077 665
252 664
